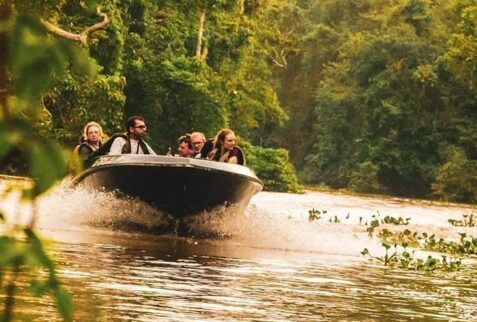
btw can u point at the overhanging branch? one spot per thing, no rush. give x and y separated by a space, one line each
81 37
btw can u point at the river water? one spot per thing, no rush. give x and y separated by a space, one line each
269 264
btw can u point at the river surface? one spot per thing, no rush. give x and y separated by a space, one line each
269 264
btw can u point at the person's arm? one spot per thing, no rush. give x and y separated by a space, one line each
233 156
117 146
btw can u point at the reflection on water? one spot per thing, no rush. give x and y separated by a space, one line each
146 278
273 264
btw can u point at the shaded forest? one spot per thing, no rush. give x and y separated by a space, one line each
371 96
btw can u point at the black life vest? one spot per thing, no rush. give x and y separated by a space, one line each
106 147
215 155
85 145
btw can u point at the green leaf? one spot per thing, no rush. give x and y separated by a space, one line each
65 304
83 64
37 288
38 252
374 223
5 144
12 133
47 164
91 3
35 59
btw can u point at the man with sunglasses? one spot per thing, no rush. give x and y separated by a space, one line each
133 141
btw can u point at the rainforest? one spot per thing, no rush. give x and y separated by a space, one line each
370 96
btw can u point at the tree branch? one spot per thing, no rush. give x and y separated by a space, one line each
200 34
81 37
283 56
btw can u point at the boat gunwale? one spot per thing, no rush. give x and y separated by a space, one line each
110 161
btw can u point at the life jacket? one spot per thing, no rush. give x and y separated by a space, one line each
106 147
84 144
214 155
87 158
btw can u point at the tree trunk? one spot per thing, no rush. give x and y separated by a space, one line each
5 14
200 34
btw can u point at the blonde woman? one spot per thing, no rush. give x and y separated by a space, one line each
225 149
91 140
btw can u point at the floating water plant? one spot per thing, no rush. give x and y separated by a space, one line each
406 236
395 221
406 260
315 214
373 224
334 220
467 245
467 221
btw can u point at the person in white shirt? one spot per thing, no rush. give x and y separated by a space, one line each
133 141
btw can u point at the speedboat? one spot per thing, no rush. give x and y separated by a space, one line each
175 185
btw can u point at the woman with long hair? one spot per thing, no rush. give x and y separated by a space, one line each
225 149
91 140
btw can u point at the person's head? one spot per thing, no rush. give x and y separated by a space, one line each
197 139
136 127
93 133
185 147
225 139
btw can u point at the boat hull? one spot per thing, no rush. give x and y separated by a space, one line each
178 186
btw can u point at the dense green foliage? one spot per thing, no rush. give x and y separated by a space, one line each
31 63
159 59
273 167
385 92
374 96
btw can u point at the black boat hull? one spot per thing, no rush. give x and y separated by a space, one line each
178 186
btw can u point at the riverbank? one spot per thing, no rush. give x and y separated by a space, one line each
406 200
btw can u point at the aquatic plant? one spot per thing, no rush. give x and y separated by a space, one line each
406 236
467 221
376 221
334 219
406 260
315 214
467 245
395 221
373 224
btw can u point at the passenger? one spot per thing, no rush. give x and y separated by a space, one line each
133 141
207 148
91 140
185 147
225 149
197 139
